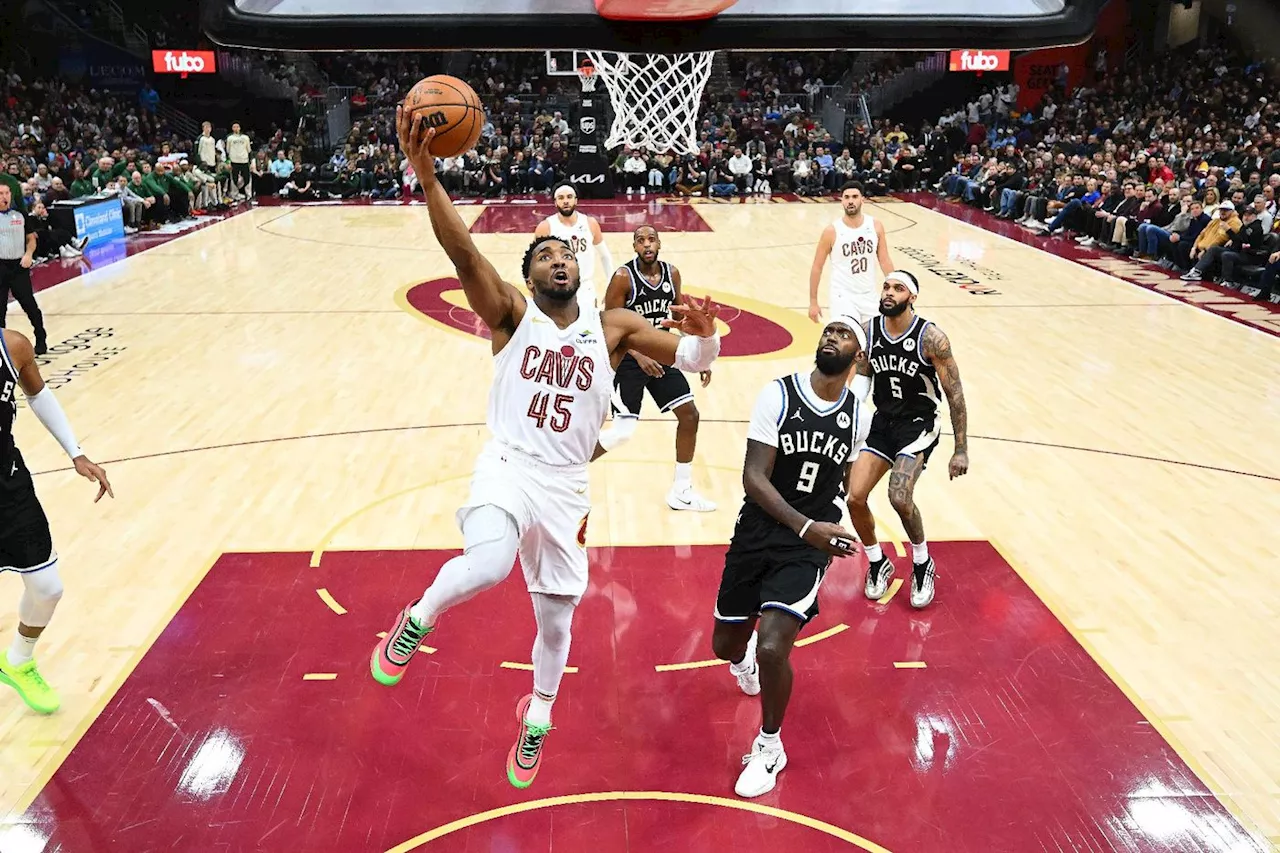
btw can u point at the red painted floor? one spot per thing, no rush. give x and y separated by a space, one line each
1011 739
624 216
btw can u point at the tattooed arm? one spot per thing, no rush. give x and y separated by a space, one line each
938 350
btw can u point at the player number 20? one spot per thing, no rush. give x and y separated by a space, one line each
560 414
859 265
808 473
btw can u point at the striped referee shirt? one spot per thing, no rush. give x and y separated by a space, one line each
13 234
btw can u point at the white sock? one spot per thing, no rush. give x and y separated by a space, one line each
743 666
874 553
774 739
539 713
22 649
920 553
684 475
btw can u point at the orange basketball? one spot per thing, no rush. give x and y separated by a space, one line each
452 108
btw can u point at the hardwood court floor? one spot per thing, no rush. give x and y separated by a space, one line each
301 380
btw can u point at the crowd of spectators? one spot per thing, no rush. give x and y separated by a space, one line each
1174 163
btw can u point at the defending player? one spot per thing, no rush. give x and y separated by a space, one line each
26 547
553 379
582 233
908 358
805 429
852 242
650 287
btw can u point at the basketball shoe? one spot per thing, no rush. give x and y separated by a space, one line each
30 684
765 761
526 756
747 672
392 655
879 573
683 497
922 584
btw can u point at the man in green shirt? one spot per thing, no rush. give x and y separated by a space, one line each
81 186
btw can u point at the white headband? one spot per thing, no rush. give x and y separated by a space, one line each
852 323
906 280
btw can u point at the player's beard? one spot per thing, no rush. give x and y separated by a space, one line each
573 208
852 211
898 308
832 365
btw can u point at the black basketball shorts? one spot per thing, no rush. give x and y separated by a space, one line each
768 567
668 391
25 543
893 437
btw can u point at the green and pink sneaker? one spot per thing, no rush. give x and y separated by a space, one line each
394 651
526 756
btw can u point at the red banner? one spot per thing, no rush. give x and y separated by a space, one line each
184 62
978 60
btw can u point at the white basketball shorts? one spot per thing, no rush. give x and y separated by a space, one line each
550 504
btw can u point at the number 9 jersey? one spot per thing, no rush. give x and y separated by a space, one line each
816 440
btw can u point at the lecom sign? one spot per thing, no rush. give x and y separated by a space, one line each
979 60
183 62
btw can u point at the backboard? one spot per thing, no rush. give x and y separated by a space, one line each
575 24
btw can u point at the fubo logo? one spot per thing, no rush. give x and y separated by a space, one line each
183 61
979 60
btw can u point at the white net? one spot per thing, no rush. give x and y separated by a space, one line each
655 98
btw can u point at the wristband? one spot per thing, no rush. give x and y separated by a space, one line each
805 528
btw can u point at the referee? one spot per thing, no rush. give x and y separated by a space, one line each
17 253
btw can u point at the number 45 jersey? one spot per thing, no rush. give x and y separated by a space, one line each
551 388
816 441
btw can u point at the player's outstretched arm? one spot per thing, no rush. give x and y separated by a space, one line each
825 242
497 303
937 348
44 405
692 353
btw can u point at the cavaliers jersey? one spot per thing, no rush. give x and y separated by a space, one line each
904 382
816 443
855 269
653 301
578 236
8 408
551 388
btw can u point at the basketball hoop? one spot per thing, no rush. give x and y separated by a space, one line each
655 97
587 75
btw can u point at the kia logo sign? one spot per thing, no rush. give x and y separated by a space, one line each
183 62
979 60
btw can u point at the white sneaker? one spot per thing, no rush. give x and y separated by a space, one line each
642 192
922 584
630 192
688 499
878 577
749 681
68 251
763 766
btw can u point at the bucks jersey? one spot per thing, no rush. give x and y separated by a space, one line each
8 408
815 439
651 300
904 382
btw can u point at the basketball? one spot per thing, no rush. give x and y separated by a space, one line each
452 108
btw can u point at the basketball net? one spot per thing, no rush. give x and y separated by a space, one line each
655 97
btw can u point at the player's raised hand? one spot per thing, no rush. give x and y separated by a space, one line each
415 141
831 539
815 312
693 317
93 471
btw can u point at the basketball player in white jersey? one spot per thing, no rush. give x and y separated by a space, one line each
855 243
554 365
582 233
